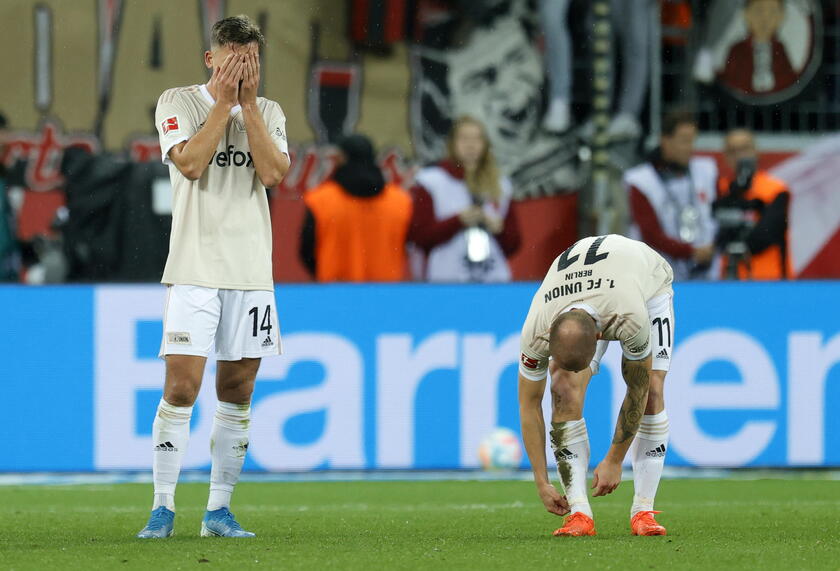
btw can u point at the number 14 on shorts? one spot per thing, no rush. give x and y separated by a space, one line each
264 324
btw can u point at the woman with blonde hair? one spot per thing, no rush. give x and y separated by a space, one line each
462 218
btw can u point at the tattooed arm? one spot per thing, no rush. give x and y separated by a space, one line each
637 377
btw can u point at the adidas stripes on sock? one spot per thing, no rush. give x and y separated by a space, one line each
228 444
170 434
570 442
648 454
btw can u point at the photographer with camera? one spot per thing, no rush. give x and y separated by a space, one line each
752 215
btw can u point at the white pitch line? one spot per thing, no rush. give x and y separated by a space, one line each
423 507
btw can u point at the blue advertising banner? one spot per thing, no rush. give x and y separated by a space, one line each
413 376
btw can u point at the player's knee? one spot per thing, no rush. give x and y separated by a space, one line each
567 399
180 393
183 381
236 391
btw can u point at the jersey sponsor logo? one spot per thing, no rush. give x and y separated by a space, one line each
170 125
529 362
231 157
279 133
178 338
640 349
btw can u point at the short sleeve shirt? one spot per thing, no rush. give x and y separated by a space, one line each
221 229
611 278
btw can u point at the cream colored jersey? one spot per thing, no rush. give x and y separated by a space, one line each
221 230
611 278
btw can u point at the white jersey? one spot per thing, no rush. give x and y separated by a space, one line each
610 277
669 197
221 230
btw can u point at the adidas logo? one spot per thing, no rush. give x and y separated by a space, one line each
268 342
662 354
165 447
657 452
566 454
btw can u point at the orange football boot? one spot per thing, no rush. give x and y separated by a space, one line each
576 525
643 523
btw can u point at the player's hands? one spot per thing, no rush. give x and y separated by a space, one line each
552 500
607 477
226 79
472 216
250 79
704 254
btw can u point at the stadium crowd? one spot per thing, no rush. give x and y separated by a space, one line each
456 218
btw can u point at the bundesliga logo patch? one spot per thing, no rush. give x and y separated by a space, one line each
170 125
528 362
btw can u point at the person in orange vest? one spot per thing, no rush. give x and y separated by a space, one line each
356 223
752 210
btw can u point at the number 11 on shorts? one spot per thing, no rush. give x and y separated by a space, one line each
265 324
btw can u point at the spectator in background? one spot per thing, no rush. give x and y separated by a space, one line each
463 218
759 202
356 224
631 22
671 197
8 242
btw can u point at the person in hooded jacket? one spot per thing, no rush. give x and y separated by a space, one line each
355 225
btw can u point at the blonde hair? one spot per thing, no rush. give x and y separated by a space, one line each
484 180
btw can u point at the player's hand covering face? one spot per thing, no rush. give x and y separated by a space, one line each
250 78
226 78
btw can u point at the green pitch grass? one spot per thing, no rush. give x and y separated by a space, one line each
712 524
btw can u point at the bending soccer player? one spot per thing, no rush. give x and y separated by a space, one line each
602 288
224 146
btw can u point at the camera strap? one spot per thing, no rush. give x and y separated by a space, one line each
688 215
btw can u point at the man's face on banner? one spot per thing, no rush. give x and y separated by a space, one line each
497 78
763 18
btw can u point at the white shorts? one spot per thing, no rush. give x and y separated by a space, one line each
241 323
661 313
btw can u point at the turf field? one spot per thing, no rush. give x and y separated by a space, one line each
713 524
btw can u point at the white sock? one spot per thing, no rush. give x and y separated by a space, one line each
648 453
228 444
570 442
170 436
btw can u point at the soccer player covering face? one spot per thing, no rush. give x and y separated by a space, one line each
602 288
224 146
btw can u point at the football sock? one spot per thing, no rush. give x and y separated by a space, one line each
228 444
570 442
170 435
648 454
